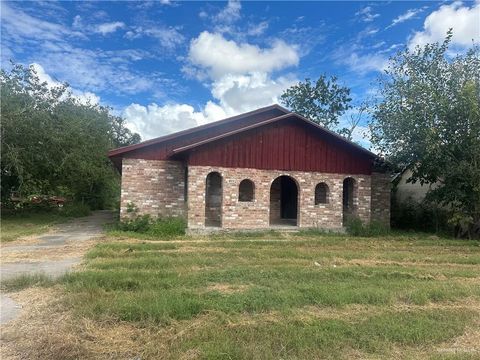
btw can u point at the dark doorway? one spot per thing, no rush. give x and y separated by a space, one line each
349 199
213 200
284 201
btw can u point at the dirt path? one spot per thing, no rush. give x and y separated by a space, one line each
52 254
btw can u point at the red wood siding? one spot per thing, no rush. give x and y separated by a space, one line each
163 150
286 145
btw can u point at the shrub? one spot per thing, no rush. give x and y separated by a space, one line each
424 216
167 227
355 227
75 210
139 224
161 227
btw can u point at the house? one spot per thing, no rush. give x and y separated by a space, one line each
265 168
409 192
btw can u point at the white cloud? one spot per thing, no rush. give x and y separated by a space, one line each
168 37
230 13
241 81
464 19
362 63
108 28
154 120
411 13
19 25
257 29
366 14
84 97
219 56
240 93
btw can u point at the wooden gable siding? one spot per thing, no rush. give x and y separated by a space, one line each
163 150
286 145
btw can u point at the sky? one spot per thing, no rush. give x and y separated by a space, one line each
166 66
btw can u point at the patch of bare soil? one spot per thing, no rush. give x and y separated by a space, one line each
226 288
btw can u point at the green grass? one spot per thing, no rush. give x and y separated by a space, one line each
257 292
17 226
25 281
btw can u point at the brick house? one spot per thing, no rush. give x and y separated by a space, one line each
265 168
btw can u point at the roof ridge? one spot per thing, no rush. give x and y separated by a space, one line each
160 139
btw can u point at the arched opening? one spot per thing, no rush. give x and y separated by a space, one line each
213 200
349 199
321 193
284 201
246 191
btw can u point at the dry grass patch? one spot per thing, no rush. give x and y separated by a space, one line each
227 288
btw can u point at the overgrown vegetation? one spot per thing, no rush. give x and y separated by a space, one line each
356 227
25 281
154 228
299 297
428 118
53 144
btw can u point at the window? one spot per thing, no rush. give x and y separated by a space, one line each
246 190
321 193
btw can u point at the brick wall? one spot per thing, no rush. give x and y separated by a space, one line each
256 214
381 190
154 187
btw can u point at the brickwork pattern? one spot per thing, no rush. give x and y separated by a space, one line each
154 187
381 191
256 214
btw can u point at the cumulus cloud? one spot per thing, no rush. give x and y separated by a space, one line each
219 56
240 79
463 19
110 27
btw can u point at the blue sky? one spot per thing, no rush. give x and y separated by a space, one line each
168 65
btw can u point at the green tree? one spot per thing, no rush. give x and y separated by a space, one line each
54 145
322 102
429 118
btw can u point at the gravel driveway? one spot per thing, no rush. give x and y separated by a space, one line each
52 254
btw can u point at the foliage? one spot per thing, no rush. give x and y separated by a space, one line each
52 144
356 227
429 118
424 216
161 227
322 102
75 210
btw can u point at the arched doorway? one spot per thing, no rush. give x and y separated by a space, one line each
349 199
213 200
284 201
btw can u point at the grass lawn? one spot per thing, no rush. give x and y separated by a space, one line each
281 297
17 226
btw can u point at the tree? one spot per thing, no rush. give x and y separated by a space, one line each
429 118
322 102
54 145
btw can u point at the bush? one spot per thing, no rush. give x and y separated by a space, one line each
75 210
424 216
355 227
161 227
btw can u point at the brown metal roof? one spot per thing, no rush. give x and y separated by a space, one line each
269 121
126 149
